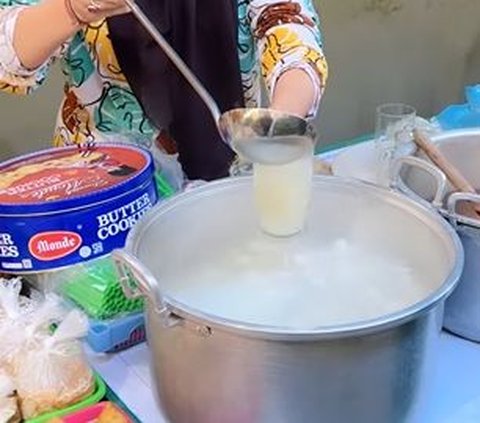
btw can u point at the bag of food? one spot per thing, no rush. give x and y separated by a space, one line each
53 373
9 412
12 304
22 318
14 312
48 314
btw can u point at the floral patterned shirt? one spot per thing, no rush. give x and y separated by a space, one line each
98 104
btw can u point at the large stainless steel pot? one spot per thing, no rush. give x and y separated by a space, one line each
212 370
418 178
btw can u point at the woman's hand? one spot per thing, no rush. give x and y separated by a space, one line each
89 11
41 29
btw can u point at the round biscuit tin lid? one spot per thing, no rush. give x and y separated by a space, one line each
61 179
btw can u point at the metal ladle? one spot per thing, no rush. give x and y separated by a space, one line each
256 134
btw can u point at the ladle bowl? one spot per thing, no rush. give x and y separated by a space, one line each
265 135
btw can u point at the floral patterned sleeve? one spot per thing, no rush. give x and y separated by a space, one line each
288 36
14 78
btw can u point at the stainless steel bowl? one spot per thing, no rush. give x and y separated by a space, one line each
421 180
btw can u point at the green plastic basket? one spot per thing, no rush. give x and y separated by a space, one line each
97 395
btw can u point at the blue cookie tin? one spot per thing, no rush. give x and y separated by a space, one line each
64 206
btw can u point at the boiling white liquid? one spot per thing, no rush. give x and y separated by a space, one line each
269 284
282 195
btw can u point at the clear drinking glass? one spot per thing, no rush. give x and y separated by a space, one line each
394 125
282 194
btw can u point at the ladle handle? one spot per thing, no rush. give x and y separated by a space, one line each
176 59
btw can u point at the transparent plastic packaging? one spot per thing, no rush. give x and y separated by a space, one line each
41 357
9 412
15 311
53 372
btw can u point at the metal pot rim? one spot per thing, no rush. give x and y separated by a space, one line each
326 332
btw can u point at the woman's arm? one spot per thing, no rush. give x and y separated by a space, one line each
42 29
290 46
14 78
31 36
295 92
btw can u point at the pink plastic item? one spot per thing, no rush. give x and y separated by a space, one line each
89 414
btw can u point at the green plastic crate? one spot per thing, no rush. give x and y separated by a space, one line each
97 395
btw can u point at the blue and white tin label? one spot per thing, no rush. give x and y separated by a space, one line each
61 208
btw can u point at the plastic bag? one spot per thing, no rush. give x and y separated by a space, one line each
7 387
14 312
54 373
169 167
459 116
21 319
12 304
51 311
9 412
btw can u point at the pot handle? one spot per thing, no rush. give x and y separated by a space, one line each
438 176
136 280
452 205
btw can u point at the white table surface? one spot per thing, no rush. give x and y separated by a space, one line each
128 376
454 391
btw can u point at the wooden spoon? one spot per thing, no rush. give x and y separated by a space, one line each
459 182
